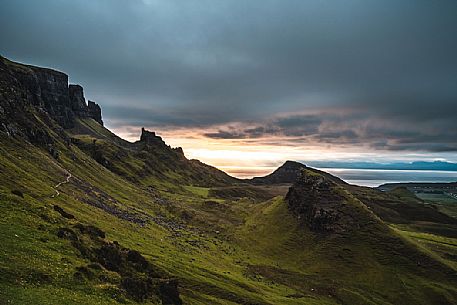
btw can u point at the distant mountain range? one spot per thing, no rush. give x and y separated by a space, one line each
416 165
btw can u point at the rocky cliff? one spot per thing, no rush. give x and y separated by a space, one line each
47 90
94 111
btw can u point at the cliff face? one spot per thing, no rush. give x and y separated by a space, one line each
77 100
49 90
94 111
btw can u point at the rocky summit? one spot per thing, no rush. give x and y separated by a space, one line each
317 202
90 218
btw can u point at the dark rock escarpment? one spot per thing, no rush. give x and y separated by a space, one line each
79 107
17 101
316 201
46 89
94 111
77 100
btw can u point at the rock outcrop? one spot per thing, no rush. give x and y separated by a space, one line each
150 137
316 201
94 111
150 141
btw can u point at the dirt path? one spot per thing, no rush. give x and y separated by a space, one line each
60 183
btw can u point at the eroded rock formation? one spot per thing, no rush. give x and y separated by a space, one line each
316 201
150 137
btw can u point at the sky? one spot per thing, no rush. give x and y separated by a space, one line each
246 85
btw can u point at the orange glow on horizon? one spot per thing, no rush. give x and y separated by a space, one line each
246 158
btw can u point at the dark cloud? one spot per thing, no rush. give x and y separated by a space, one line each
286 126
387 68
351 129
298 125
221 134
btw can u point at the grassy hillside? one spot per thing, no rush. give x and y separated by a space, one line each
221 251
146 163
113 222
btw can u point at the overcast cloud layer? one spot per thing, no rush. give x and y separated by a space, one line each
381 74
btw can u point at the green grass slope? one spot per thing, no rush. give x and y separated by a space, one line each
221 251
146 163
129 226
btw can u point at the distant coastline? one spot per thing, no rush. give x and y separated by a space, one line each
416 165
377 177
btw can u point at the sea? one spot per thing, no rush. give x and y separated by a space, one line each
376 177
